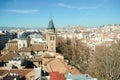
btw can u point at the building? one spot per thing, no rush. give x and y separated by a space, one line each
24 40
37 73
5 59
16 62
3 40
37 39
51 37
56 76
23 43
16 74
12 45
79 77
11 76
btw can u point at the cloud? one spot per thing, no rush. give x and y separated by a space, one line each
74 7
21 11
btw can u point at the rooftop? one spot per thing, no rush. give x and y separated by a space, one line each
17 58
36 36
12 41
20 72
79 77
52 66
8 56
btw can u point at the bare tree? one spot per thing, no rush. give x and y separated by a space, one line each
105 64
76 52
80 55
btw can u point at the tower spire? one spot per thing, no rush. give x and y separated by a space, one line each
51 36
51 27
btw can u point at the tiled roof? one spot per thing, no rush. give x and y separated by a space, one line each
24 49
48 56
20 72
38 47
3 72
56 65
8 56
74 70
13 48
4 51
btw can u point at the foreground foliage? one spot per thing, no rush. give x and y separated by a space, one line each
105 64
76 52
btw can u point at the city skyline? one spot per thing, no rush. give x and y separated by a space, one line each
36 13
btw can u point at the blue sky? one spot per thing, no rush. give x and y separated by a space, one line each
36 13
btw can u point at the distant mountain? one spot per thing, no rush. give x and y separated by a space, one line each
22 28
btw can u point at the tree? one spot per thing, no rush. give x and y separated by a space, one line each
80 55
76 52
60 43
105 64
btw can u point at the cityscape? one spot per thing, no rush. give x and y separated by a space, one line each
59 40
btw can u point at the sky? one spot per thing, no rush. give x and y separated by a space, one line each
37 13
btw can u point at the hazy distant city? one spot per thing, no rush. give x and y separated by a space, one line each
59 40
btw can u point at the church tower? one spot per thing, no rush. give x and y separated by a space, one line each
51 37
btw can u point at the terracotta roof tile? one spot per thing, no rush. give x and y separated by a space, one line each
48 56
38 47
24 49
74 70
8 56
21 72
4 51
56 65
3 72
13 48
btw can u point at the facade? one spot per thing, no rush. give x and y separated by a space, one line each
26 51
23 43
16 74
3 40
37 73
12 45
51 37
4 37
16 62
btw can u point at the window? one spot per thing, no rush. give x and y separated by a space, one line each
50 37
23 45
53 37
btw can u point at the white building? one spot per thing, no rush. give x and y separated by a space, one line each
23 43
16 62
37 39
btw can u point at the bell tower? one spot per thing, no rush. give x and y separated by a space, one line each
51 37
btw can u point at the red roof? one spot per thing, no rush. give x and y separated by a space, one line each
56 76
